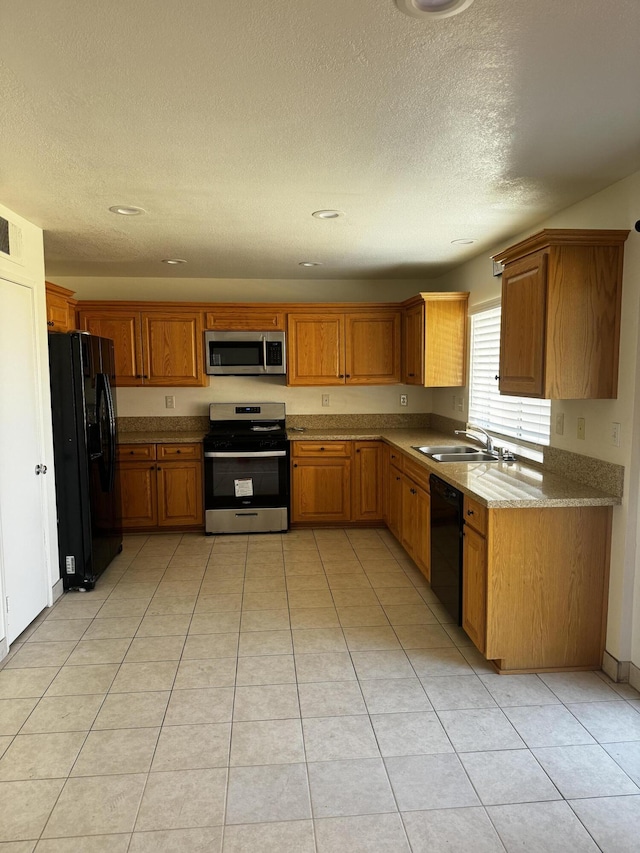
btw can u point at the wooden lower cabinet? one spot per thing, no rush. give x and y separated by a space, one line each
415 524
367 480
474 587
160 486
336 482
535 589
409 514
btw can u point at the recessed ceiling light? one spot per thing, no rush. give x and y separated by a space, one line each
463 241
433 8
309 264
327 214
173 261
126 210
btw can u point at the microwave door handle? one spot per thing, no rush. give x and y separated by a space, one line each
264 351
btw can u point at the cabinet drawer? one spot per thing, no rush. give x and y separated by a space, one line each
416 471
131 452
395 459
475 515
321 448
179 451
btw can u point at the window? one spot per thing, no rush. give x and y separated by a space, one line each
522 418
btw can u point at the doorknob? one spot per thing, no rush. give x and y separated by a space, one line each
41 469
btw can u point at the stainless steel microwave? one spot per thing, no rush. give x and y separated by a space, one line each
245 353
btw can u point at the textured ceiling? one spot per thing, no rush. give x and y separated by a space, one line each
230 122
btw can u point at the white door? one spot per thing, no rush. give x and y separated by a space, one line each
22 518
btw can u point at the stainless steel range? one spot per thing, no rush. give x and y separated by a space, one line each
246 468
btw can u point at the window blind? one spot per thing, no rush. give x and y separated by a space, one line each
525 418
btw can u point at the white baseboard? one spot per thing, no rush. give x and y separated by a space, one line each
4 648
56 590
617 670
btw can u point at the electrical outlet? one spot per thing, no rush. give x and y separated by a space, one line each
170 401
615 434
560 423
404 400
325 400
460 404
581 429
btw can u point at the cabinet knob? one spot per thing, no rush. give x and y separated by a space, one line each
469 512
178 451
152 468
413 492
348 376
497 376
397 478
50 323
295 464
357 450
138 376
144 376
158 468
341 376
322 448
412 374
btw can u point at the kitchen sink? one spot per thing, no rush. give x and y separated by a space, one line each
449 449
474 456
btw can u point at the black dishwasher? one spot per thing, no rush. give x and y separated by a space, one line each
446 546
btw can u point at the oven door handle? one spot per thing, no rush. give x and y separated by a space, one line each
244 454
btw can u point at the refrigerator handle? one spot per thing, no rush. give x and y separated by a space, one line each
105 388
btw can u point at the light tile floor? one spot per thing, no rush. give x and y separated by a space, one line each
300 692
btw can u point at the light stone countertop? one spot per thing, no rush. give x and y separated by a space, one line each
494 484
160 437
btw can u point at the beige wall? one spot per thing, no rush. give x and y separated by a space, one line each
616 207
174 289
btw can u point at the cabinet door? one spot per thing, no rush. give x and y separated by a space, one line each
416 537
124 330
173 348
367 481
372 348
422 531
395 502
315 349
523 326
321 490
138 494
474 587
180 494
413 345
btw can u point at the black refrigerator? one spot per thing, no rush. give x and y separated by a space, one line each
84 444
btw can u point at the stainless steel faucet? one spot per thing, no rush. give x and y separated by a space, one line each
488 439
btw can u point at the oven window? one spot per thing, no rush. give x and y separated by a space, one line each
263 476
234 354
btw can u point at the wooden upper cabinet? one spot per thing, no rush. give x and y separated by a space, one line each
315 350
372 348
522 332
353 348
413 345
151 347
435 340
124 330
60 308
561 297
244 318
172 348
